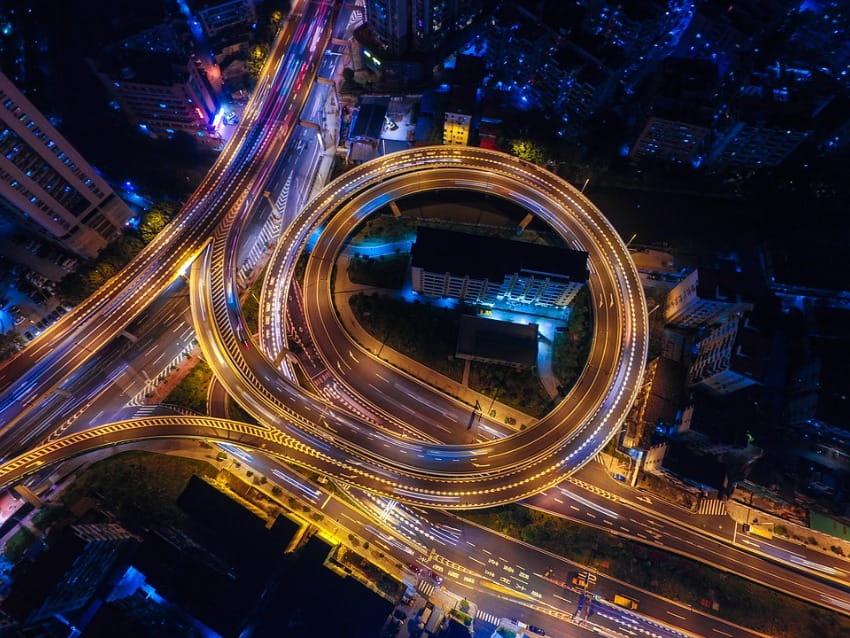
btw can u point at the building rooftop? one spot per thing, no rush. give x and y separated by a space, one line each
462 99
369 121
722 285
481 338
666 397
144 67
438 250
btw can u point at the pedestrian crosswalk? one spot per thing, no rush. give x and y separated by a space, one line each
712 507
487 617
425 587
284 194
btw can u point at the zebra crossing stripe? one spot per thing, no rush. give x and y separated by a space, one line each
712 507
487 617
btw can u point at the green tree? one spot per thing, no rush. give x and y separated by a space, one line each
10 343
152 223
527 150
257 58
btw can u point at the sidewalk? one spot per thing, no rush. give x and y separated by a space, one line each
344 288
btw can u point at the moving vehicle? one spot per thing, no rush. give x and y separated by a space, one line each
583 579
759 530
625 601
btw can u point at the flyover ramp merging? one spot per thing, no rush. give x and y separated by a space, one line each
419 472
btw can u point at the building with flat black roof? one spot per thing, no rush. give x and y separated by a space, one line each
65 580
161 93
491 271
492 341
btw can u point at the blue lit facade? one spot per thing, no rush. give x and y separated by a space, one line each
411 32
680 112
160 93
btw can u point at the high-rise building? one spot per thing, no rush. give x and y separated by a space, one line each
404 38
47 186
457 122
775 110
710 329
680 113
63 581
161 93
405 26
217 17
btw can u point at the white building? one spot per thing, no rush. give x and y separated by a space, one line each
47 186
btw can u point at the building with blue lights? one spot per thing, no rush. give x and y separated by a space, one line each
681 104
495 272
64 582
402 39
160 93
220 17
47 186
773 113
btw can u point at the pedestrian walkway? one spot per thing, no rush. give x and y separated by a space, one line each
712 507
425 587
487 617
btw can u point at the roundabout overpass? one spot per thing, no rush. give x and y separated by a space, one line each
306 430
475 475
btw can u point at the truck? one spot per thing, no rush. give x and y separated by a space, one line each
583 579
759 530
625 601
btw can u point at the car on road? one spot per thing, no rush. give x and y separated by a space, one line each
536 630
416 569
436 577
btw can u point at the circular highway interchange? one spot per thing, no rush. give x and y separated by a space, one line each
355 451
299 427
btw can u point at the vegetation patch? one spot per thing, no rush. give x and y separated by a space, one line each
385 271
238 413
18 544
571 347
520 389
141 488
77 286
191 392
420 331
666 574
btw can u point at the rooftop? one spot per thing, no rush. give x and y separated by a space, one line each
438 250
498 341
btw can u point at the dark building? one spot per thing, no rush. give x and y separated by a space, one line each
491 271
681 105
161 93
61 583
502 342
775 110
404 38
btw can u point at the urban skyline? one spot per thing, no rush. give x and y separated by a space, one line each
298 175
